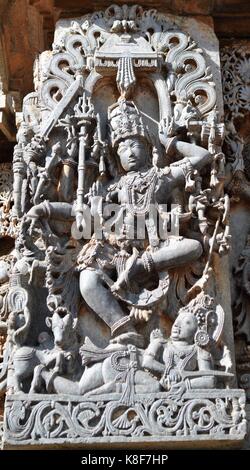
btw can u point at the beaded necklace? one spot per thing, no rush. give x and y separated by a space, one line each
147 182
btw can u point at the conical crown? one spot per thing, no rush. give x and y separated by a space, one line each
125 121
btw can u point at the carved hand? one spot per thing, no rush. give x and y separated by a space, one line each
164 129
95 197
167 130
174 376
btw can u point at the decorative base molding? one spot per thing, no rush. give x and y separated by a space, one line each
212 418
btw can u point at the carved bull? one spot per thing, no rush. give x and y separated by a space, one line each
58 355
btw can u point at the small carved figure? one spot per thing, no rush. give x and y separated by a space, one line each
181 355
58 355
191 355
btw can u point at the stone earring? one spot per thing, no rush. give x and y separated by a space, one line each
201 338
156 156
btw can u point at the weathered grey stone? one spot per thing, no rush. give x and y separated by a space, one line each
235 74
72 424
125 120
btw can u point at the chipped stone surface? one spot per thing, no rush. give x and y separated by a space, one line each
73 131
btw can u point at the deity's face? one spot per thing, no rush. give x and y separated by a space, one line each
184 328
133 154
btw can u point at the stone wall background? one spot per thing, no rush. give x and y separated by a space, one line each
27 28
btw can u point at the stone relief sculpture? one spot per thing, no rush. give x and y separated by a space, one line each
115 322
235 74
7 234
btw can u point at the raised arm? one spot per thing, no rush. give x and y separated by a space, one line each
198 156
194 156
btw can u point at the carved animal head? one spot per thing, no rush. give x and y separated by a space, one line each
63 327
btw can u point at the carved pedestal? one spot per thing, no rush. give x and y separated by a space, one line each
213 418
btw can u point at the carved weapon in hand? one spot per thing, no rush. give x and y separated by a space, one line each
84 113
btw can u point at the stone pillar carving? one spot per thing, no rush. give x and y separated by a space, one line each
119 328
236 79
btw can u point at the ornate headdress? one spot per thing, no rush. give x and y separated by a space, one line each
125 121
209 316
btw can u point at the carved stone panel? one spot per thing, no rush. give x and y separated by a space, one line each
118 318
236 80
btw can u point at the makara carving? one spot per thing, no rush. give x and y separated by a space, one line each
119 202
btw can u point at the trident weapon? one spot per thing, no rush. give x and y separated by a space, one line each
84 115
